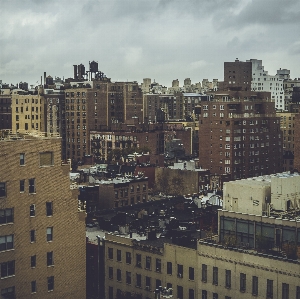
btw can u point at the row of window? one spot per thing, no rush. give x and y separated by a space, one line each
243 283
32 209
49 235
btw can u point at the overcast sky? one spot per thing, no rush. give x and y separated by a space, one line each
136 39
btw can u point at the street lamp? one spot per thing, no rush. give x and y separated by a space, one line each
161 292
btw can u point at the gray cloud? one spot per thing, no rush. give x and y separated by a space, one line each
161 39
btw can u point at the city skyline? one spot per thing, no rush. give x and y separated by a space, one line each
161 40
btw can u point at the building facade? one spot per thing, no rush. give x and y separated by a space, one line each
41 255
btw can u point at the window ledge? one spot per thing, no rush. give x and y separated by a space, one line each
8 276
9 223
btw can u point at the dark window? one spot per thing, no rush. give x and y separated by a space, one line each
148 283
157 283
128 277
110 272
110 293
285 291
269 289
50 261
138 260
2 189
7 269
297 292
49 208
169 268
148 262
215 296
33 286
158 265
180 292
191 294
204 273
119 255
32 186
128 258
49 234
33 261
110 253
228 278
6 216
119 275
32 235
32 210
8 292
22 185
50 283
254 285
180 271
215 275
227 297
139 280
22 159
191 273
204 294
242 282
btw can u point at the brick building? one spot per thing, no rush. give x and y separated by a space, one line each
5 109
239 134
38 214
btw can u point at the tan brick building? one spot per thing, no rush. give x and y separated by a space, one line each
42 234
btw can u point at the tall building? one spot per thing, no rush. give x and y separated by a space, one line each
96 105
5 109
239 134
42 234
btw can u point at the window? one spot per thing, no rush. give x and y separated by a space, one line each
138 258
128 258
242 282
191 273
254 285
32 210
227 297
148 262
49 208
49 234
2 189
180 270
7 269
128 277
31 185
180 292
204 294
297 292
22 159
110 272
158 265
169 268
33 261
269 289
139 280
285 291
204 273
110 253
6 216
215 275
50 283
215 296
32 236
119 255
22 185
50 261
148 283
191 294
8 292
33 286
119 275
46 159
228 279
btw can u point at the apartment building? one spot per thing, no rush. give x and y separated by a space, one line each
41 254
28 111
5 109
239 134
